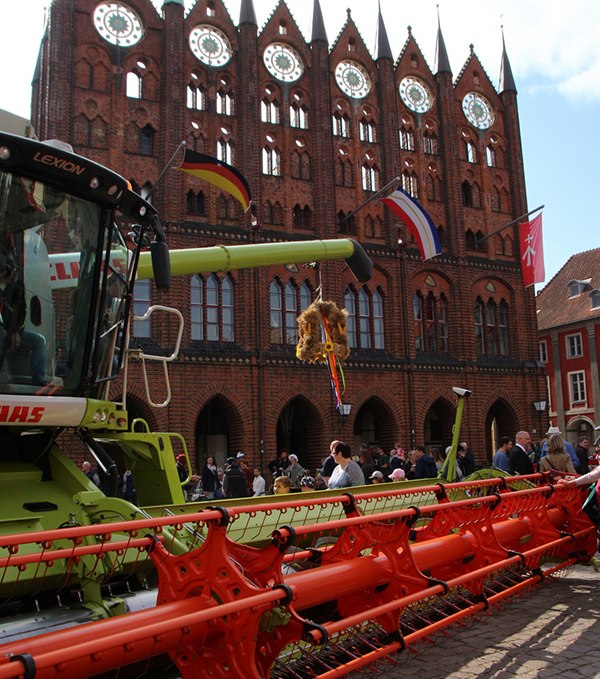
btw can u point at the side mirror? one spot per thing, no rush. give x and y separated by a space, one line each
161 264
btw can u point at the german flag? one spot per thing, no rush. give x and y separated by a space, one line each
218 173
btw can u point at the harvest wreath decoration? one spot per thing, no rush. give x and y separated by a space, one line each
322 339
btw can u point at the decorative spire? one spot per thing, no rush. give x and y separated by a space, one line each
507 82
247 15
442 63
382 44
318 25
172 2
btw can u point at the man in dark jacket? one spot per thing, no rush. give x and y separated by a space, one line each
235 483
426 468
520 462
582 452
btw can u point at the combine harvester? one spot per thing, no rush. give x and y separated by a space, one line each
311 585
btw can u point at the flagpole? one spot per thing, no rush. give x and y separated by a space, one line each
370 199
514 221
166 168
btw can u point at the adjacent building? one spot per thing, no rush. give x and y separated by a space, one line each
317 127
569 344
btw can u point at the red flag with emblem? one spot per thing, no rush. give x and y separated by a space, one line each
532 251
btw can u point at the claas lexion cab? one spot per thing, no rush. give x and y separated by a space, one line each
73 239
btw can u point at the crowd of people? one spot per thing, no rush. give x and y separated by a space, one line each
341 468
372 465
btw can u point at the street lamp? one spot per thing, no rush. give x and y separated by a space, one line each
540 407
344 408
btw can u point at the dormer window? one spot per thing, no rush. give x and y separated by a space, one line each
576 287
595 298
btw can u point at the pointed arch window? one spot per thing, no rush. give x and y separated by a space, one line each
211 308
147 141
270 111
347 223
434 188
365 321
370 176
343 175
490 156
430 143
196 99
134 85
470 151
430 320
225 208
271 161
286 303
300 165
407 139
298 116
366 130
225 102
302 217
195 203
491 320
225 151
341 124
409 183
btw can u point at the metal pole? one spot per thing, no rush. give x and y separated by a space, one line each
514 221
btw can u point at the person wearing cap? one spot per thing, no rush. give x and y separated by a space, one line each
307 484
568 447
377 477
398 475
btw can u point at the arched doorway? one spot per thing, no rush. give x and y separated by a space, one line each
577 428
299 431
215 428
501 421
437 428
375 425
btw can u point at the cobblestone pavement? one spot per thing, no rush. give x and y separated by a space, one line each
553 631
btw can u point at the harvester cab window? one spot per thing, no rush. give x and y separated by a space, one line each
48 257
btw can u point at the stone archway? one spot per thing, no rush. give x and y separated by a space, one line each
437 428
218 431
294 435
375 425
501 420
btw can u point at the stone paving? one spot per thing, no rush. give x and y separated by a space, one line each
550 632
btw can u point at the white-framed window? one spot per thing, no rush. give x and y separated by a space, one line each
577 387
574 346
142 299
543 347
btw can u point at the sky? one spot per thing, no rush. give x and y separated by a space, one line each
555 59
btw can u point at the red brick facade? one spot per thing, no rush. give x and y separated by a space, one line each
252 393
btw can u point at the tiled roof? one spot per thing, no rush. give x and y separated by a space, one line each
555 307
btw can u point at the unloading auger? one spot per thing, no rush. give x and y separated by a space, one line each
339 583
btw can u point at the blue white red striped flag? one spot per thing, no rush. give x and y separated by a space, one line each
416 219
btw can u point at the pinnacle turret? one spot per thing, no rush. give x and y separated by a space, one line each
382 44
247 14
442 63
318 25
507 82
